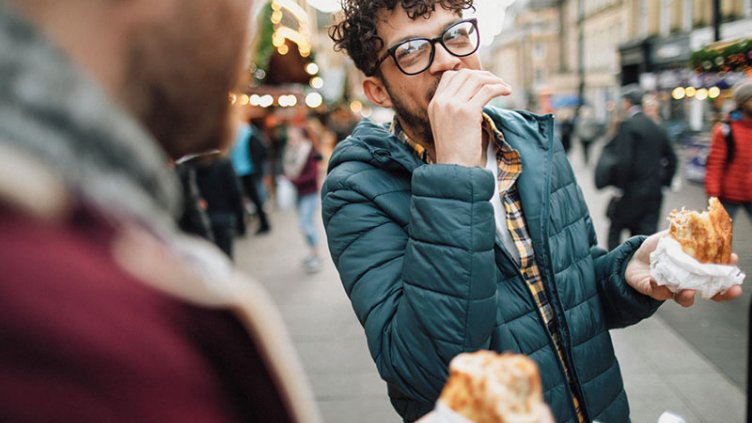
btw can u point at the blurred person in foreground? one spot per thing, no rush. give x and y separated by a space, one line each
728 173
460 227
647 164
107 312
301 167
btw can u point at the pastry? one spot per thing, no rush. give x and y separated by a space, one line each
486 387
705 236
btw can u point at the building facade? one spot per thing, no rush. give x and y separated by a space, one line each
555 51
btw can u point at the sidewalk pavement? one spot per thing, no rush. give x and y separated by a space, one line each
661 370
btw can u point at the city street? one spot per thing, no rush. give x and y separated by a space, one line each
690 362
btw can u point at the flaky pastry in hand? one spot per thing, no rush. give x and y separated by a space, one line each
486 387
705 236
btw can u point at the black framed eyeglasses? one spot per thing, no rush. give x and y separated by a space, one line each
415 55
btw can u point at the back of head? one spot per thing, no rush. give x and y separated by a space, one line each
138 50
632 94
742 92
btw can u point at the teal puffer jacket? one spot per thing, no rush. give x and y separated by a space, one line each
417 252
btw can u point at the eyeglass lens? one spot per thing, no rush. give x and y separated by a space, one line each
415 56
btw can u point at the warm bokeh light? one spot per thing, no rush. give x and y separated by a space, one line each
690 91
714 92
317 82
356 106
266 101
312 68
314 100
678 93
701 94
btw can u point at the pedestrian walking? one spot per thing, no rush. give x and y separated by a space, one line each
728 173
646 166
300 164
460 227
587 130
108 312
193 218
248 155
219 188
566 128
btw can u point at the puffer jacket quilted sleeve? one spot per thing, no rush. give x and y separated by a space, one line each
422 282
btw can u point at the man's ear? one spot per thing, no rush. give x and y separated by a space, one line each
375 90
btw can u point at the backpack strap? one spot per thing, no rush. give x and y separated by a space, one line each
728 135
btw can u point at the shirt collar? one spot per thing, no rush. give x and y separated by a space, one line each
422 153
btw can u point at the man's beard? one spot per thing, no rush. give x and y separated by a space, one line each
415 121
179 78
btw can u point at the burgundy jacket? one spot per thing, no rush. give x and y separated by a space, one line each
308 180
100 325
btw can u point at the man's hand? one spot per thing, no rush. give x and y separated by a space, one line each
638 277
455 113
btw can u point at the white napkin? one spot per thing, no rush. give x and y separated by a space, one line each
444 414
677 270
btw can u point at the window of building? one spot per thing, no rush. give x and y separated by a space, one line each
539 50
687 15
540 76
642 18
665 22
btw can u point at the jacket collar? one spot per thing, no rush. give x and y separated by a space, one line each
374 143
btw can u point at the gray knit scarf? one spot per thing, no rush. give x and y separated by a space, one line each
52 111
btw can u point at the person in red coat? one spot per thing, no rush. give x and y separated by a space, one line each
729 177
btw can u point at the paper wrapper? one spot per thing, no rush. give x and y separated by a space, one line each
444 414
677 270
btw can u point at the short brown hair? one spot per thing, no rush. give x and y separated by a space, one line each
357 34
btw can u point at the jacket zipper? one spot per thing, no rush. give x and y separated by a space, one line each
561 324
551 341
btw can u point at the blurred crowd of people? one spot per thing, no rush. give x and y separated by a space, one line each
227 191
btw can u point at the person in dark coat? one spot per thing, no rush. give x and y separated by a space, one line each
647 165
219 187
566 128
193 218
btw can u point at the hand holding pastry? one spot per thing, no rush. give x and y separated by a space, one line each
704 241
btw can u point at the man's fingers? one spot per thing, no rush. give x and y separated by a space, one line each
464 85
475 84
488 93
685 297
660 292
731 293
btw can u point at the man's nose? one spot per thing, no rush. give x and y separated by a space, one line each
444 60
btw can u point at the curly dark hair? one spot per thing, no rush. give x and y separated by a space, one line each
357 34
